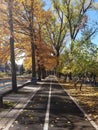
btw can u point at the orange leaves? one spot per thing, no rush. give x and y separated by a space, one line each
42 16
4 52
39 15
44 56
21 20
50 62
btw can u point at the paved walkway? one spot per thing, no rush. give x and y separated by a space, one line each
17 102
43 107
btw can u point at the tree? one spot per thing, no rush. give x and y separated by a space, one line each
4 33
7 38
30 26
13 68
84 60
74 13
24 28
55 29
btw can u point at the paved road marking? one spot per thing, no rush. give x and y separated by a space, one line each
15 113
85 114
46 124
82 110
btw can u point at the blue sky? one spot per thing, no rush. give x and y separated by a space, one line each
93 16
48 4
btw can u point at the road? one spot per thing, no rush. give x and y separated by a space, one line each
51 109
6 84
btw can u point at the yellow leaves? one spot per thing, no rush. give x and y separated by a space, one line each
91 104
44 56
50 62
87 99
22 44
27 63
4 52
39 13
92 94
19 0
95 116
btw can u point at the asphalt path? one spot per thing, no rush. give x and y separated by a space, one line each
51 109
6 84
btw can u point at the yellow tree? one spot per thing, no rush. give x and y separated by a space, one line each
4 33
7 14
23 27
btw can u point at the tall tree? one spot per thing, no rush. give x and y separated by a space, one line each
31 28
33 18
75 15
13 68
56 30
28 26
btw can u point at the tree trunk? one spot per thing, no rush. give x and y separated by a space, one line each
43 72
39 72
32 42
13 67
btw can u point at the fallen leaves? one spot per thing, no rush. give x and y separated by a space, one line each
87 99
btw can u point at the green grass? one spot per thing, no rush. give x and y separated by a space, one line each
7 105
2 74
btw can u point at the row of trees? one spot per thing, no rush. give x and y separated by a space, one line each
24 24
43 35
80 55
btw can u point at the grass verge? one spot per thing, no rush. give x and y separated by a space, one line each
7 105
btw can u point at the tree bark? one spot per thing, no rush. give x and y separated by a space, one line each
39 72
32 42
13 67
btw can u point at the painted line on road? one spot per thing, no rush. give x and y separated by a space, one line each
17 112
82 110
85 114
46 124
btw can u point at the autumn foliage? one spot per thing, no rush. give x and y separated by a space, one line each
21 21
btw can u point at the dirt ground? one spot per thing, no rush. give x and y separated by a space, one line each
87 98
